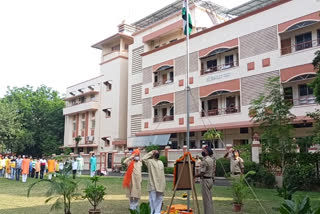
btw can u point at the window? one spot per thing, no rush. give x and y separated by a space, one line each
155 112
173 135
74 118
244 130
212 104
318 36
116 48
193 144
174 145
155 77
74 127
304 41
83 116
107 111
93 114
288 94
89 149
305 90
192 134
171 111
171 76
92 96
302 125
80 150
83 124
228 61
82 99
73 102
93 124
212 66
173 40
126 46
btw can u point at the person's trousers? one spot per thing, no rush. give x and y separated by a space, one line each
155 199
24 178
37 175
32 172
1 172
74 172
43 167
13 173
79 172
18 173
206 186
92 173
134 203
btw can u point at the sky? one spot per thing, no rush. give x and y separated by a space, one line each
48 42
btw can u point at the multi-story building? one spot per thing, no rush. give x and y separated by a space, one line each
230 63
140 97
96 109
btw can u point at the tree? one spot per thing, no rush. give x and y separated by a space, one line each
10 126
41 118
211 135
272 112
316 82
62 188
77 139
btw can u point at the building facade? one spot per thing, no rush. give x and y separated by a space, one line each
140 96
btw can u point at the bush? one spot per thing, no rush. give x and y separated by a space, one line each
123 165
300 176
164 160
262 177
168 170
144 167
222 163
152 147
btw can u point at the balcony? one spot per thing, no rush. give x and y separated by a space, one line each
114 54
216 68
300 46
163 119
164 75
220 111
81 107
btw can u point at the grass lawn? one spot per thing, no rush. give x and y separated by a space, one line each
13 198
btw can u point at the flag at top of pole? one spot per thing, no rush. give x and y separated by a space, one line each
184 17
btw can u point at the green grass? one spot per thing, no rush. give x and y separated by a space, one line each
13 198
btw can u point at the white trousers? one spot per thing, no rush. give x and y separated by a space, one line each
50 176
24 178
155 199
92 173
134 203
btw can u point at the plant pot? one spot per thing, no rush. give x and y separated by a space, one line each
237 207
97 211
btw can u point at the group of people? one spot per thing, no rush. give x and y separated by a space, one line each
157 182
12 167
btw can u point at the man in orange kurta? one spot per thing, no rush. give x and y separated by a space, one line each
51 167
25 168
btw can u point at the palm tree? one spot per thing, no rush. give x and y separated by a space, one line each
211 135
78 139
61 188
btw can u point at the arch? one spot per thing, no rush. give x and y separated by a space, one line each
163 68
217 51
302 76
288 24
301 24
287 74
220 92
162 98
163 102
229 86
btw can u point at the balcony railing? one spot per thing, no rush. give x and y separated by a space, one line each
300 46
70 104
219 67
220 111
305 100
155 84
163 119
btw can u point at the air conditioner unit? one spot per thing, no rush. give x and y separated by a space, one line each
90 138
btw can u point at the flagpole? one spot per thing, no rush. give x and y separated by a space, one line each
188 89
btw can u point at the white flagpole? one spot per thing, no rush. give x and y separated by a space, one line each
188 89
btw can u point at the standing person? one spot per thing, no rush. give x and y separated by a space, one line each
198 167
93 165
33 164
214 164
18 168
51 167
43 163
61 165
13 165
206 172
80 164
37 168
1 166
74 167
8 167
132 179
25 168
236 162
156 181
30 167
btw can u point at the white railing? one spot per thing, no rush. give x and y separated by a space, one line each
114 54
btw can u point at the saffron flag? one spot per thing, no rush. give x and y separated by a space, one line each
184 17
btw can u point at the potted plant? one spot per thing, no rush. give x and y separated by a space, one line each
143 209
239 191
94 193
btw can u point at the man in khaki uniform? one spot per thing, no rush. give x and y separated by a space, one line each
206 180
133 183
156 182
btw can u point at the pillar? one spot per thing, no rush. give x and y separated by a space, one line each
255 150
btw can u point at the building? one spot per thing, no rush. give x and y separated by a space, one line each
232 54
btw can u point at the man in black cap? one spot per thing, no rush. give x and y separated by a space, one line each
206 173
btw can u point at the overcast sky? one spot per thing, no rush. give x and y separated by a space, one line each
49 41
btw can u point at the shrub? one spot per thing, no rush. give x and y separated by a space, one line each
298 206
262 177
300 176
152 147
164 160
222 167
144 167
168 170
123 165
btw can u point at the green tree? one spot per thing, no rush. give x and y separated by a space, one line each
272 113
10 126
62 188
316 82
41 118
77 139
211 135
